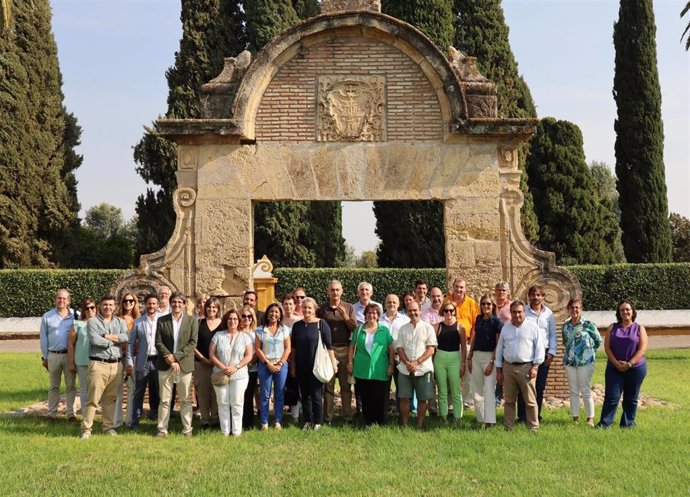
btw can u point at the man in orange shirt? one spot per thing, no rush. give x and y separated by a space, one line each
466 313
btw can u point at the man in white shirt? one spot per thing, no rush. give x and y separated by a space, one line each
415 346
164 300
538 312
519 352
365 292
142 351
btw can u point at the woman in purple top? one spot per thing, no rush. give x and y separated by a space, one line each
625 345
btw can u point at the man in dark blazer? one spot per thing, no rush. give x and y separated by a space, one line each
176 336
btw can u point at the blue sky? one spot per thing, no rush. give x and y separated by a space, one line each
114 53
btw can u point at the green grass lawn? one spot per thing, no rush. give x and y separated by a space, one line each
561 460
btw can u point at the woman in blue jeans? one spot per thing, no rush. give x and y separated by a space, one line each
625 345
272 351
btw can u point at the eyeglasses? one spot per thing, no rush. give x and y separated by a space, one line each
91 307
246 316
452 311
300 297
128 301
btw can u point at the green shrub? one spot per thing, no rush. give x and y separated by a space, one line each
31 292
650 286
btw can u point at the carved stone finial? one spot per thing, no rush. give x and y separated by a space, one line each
331 6
219 93
480 92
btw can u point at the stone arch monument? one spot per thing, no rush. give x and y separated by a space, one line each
349 105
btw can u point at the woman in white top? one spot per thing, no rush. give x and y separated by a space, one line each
272 350
230 352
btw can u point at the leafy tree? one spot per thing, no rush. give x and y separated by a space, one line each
685 10
306 8
211 30
680 234
481 31
106 219
640 136
36 205
268 18
605 186
573 222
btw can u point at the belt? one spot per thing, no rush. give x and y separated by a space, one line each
58 351
151 357
109 361
518 363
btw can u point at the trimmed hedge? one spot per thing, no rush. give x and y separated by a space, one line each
31 292
650 286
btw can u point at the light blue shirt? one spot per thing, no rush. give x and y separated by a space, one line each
523 344
359 310
547 326
231 353
101 347
54 331
273 346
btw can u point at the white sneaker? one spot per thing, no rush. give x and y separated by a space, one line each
317 427
111 432
85 435
277 427
264 427
306 427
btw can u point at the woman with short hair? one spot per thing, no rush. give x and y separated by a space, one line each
78 348
371 359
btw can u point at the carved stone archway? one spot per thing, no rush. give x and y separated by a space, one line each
350 106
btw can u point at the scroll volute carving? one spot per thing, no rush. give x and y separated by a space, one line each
480 93
219 93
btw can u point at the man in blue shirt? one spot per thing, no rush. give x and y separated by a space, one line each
55 327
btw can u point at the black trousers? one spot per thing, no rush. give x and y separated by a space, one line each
374 395
311 391
248 412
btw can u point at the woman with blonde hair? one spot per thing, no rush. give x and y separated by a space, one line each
248 325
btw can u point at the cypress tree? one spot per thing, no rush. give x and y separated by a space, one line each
306 8
481 31
35 203
573 221
211 30
298 234
640 136
395 221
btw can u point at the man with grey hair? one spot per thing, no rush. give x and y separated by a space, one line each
55 327
365 292
502 294
164 301
341 318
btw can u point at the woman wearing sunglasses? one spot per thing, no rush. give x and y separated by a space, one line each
129 311
248 325
480 361
449 361
78 348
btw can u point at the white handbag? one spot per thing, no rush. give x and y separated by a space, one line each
323 367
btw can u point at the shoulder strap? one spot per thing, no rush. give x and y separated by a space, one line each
438 328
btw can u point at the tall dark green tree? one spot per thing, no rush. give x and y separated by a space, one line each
481 31
573 221
211 30
306 8
36 206
298 234
396 220
640 136
605 186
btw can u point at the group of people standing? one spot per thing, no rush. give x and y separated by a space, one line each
438 351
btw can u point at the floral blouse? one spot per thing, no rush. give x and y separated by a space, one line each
581 341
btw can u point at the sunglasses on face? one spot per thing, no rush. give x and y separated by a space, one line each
128 301
246 316
300 297
448 310
91 307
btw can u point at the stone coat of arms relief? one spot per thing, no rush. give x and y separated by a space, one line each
351 108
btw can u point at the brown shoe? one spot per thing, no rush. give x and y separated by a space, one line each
187 434
161 434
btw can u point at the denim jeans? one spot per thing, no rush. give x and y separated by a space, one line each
626 384
277 380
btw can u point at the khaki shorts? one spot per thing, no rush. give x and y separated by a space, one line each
423 386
